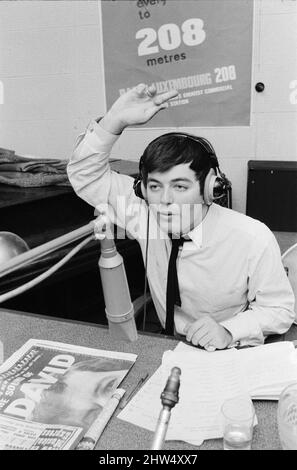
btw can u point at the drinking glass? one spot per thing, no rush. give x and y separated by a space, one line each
287 417
238 421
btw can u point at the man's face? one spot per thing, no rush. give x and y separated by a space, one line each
92 387
174 197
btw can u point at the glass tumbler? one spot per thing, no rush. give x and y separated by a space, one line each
238 421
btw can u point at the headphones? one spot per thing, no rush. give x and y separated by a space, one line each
215 184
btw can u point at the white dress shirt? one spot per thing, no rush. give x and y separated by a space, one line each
231 269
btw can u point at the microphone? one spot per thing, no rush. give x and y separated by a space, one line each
169 398
118 306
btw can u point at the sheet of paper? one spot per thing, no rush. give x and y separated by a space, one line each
207 379
269 367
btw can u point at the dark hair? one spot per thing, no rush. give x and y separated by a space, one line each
172 149
101 364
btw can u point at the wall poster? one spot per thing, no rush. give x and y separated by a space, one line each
203 48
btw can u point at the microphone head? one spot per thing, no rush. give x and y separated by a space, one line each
11 245
169 396
175 373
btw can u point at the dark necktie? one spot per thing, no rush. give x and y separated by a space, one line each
172 291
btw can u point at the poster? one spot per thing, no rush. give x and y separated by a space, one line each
203 48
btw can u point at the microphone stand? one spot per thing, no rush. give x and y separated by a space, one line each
46 248
169 398
119 308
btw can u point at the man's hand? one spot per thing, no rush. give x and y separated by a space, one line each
207 333
136 106
102 225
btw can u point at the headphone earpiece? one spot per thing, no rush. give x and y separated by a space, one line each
209 184
215 186
137 186
143 190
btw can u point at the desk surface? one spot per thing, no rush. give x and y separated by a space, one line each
18 327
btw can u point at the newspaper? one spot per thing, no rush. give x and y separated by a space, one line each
51 393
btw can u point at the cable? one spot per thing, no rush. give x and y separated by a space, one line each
145 268
19 290
28 256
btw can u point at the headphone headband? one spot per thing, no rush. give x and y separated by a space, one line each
199 140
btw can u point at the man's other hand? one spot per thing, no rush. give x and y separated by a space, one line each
209 334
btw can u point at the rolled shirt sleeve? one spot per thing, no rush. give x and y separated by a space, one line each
94 181
88 169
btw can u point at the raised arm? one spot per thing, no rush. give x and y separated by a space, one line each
88 169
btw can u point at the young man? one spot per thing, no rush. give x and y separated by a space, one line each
232 285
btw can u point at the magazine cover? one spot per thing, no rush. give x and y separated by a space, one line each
51 393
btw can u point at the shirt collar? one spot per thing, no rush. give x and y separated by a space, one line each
202 233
